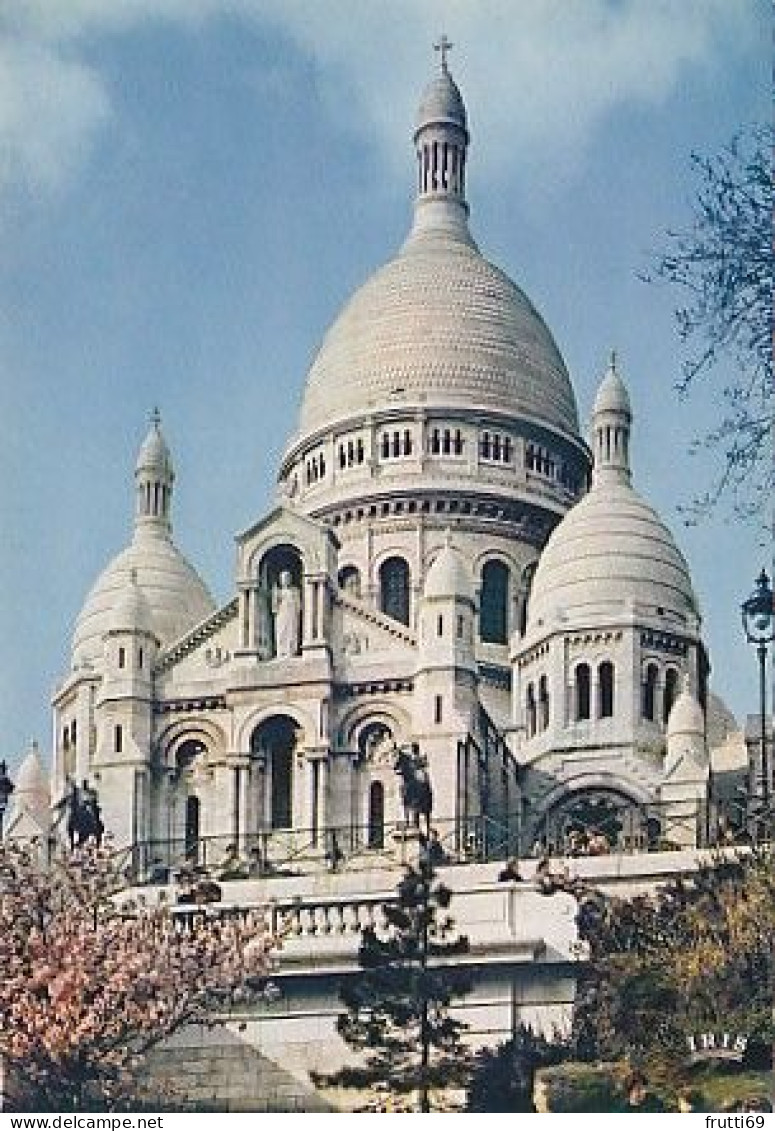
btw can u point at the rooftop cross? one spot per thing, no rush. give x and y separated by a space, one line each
156 417
443 46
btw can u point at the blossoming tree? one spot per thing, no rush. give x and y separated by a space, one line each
91 983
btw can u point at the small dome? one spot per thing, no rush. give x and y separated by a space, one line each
172 593
32 780
448 576
441 102
611 551
686 717
612 395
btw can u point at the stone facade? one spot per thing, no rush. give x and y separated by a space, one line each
438 420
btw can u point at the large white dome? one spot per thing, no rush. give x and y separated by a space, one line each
439 325
175 594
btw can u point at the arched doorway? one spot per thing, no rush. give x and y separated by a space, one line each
595 821
275 741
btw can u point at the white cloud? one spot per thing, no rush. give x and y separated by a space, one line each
545 72
50 109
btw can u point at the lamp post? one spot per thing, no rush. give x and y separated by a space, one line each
759 628
6 789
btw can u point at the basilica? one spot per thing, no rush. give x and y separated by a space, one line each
452 568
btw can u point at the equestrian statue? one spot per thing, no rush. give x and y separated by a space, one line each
82 808
416 791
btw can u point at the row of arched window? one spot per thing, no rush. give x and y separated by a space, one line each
396 444
583 707
445 441
538 459
441 166
395 591
650 706
316 468
153 499
351 453
537 712
582 699
598 700
496 447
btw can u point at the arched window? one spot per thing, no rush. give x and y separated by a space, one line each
394 589
543 703
530 712
605 690
671 693
494 610
582 692
376 828
350 580
650 692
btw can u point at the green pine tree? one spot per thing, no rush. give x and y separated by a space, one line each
398 1008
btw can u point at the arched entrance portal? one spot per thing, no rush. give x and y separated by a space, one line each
596 821
274 741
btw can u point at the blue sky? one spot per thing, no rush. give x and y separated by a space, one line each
190 189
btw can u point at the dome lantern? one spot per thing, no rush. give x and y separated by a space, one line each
441 139
154 477
611 424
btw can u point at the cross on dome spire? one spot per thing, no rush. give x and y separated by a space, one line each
443 47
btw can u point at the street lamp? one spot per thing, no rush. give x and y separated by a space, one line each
6 789
759 627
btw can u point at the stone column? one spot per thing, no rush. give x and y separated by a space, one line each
307 611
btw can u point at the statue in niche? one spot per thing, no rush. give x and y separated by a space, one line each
287 617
